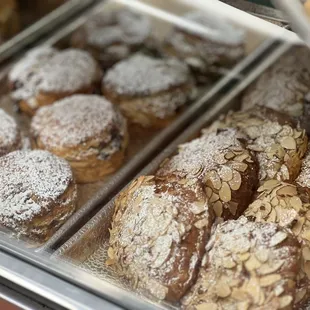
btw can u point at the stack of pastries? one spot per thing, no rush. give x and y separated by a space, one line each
80 101
223 224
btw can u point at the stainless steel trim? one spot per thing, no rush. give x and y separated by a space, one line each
45 24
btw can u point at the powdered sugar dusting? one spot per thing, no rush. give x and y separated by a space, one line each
304 176
29 182
10 138
122 26
201 153
64 71
75 120
143 75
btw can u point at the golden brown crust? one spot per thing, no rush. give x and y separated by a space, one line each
46 75
86 130
37 194
10 135
289 206
247 266
158 234
220 160
278 145
149 91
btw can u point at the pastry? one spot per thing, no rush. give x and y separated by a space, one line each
278 145
9 19
86 130
287 205
158 234
284 86
206 57
220 160
10 136
149 91
248 266
45 75
112 36
37 194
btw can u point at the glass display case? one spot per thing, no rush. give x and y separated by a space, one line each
55 262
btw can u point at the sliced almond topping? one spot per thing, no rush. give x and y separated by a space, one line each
244 256
223 290
253 289
220 159
306 235
297 133
242 157
226 173
207 306
267 269
235 183
111 253
278 238
218 209
215 197
216 181
296 203
275 201
288 190
268 185
209 192
278 290
262 255
300 294
239 294
228 263
269 280
288 143
225 192
252 263
306 253
272 216
198 207
242 167
298 226
244 305
261 298
233 206
201 223
285 301
229 155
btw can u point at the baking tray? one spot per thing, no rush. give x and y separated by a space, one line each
37 25
87 249
146 143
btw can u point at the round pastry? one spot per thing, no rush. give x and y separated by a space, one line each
248 266
86 130
149 91
206 57
287 205
112 36
46 75
37 193
9 19
220 160
278 145
283 86
10 136
159 231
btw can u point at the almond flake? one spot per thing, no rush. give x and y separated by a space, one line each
215 180
288 143
235 183
198 207
229 155
242 167
243 305
285 301
306 235
267 269
226 173
298 226
268 185
296 203
288 190
225 192
252 263
209 192
218 209
244 256
239 294
306 253
269 280
201 223
278 238
206 306
241 158
223 290
262 255
228 263
215 197
233 207
300 295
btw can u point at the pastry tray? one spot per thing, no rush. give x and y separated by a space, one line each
35 25
87 249
146 144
